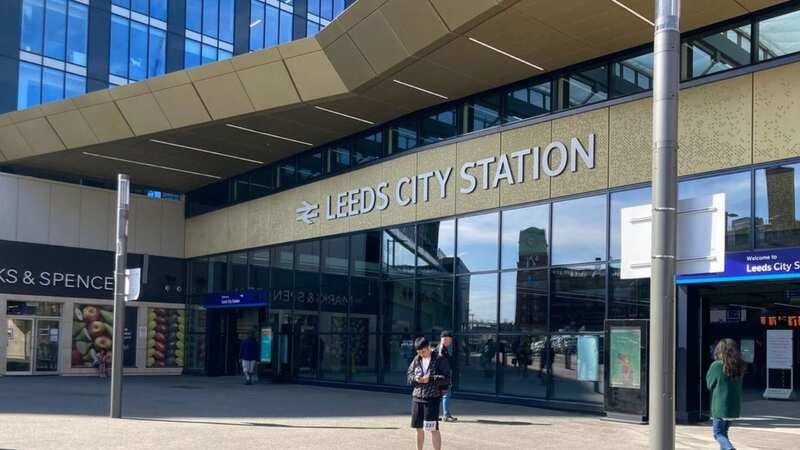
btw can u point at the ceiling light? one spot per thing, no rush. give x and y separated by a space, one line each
151 165
344 115
420 89
255 23
268 134
506 54
172 144
630 10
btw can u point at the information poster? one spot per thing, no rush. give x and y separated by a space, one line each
165 335
625 357
779 349
266 345
588 357
748 348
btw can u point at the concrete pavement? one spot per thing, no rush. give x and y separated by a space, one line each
222 413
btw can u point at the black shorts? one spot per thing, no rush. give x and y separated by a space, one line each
424 411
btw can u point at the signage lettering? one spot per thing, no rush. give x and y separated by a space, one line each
12 277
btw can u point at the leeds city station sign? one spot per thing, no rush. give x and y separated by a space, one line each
488 173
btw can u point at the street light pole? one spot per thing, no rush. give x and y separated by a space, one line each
120 264
666 75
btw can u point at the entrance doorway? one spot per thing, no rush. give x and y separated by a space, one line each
751 314
32 346
227 328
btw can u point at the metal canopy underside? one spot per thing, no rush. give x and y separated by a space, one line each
349 67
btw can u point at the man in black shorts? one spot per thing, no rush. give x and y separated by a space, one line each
429 374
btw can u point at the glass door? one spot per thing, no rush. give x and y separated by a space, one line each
47 339
19 354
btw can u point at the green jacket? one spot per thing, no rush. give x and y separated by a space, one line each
726 392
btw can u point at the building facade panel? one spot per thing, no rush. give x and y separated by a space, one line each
576 178
630 153
774 135
478 193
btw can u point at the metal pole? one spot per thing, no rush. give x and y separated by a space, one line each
120 264
666 75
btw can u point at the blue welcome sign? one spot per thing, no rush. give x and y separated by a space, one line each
242 299
777 264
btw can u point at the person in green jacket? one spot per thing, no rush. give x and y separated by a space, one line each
724 380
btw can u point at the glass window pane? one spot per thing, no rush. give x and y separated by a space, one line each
307 256
282 257
55 29
75 85
194 15
477 373
398 307
476 308
199 276
404 135
439 125
138 58
158 52
579 230
585 87
736 188
528 101
484 112
240 188
333 357
632 75
222 55
578 298
398 251
778 36
262 181
239 271
435 298
338 7
306 295
256 25
628 299
312 28
285 27
365 253
140 6
191 56
272 26
287 174
259 269
218 273
32 26
309 166
524 367
29 92
119 46
364 305
363 356
313 7
568 353
334 255
78 28
620 200
367 148
436 247
477 243
333 301
523 301
778 206
226 20
52 85
398 351
338 158
158 9
209 54
525 237
211 18
718 51
123 3
326 9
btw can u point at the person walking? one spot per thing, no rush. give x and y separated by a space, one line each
248 354
445 350
724 381
428 373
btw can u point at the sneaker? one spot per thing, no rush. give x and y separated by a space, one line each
450 419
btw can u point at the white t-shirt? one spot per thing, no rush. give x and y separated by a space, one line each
426 362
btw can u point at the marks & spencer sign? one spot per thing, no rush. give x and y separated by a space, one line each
489 173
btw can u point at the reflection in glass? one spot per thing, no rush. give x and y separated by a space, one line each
218 273
777 36
77 31
477 243
238 263
628 299
478 366
523 301
439 125
579 230
577 368
367 148
632 75
585 87
199 276
306 292
256 25
32 26
435 299
364 305
523 362
528 101
398 251
333 300
307 256
398 306
306 347
119 46
259 269
55 19
718 51
191 55
404 135
778 206
736 188
436 247
476 306
365 253
620 200
30 85
334 255
484 112
309 166
398 352
363 356
524 237
578 298
282 256
338 158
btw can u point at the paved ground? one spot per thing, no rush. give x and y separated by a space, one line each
221 413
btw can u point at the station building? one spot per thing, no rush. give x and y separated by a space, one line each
418 166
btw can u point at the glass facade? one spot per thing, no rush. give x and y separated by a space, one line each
705 52
138 41
209 31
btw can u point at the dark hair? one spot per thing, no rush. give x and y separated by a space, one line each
421 343
728 353
446 333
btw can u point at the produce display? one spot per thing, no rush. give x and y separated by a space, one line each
165 333
92 332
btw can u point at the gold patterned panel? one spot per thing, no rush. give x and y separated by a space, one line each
715 126
260 218
237 227
776 113
525 188
630 143
393 171
437 160
472 151
584 179
368 177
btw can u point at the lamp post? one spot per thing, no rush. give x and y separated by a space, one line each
120 264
